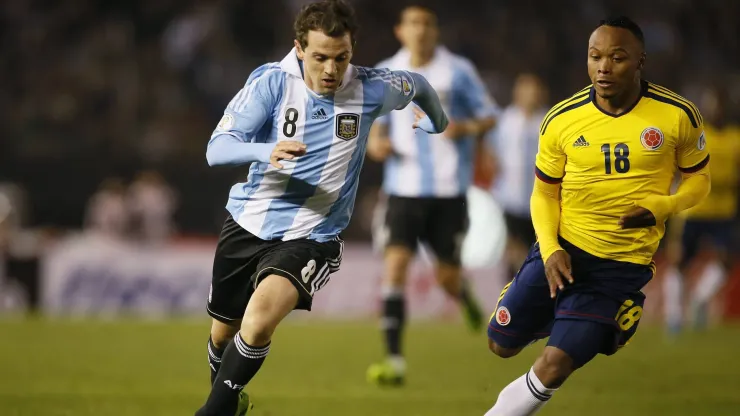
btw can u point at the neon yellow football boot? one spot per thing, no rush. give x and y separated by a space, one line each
387 373
245 404
472 313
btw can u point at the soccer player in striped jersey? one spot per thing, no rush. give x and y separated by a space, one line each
303 125
515 139
426 179
605 164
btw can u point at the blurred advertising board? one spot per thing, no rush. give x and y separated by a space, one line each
94 276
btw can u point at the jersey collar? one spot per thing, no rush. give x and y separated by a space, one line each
292 66
643 89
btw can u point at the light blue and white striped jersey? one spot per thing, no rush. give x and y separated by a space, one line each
425 165
313 195
515 140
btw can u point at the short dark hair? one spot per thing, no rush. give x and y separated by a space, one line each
333 17
625 23
417 6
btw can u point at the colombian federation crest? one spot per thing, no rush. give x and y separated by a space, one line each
347 126
503 317
651 138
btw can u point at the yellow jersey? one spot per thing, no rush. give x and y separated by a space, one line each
721 203
607 163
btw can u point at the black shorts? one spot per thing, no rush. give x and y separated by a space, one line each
520 228
242 260
441 223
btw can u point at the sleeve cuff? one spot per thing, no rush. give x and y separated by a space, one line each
545 177
699 166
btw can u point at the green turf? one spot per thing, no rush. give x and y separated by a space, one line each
136 368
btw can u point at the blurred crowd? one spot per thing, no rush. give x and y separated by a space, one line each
97 89
141 211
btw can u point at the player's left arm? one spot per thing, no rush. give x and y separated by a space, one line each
403 87
468 85
692 158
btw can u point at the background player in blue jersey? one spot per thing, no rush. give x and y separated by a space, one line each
303 124
426 178
515 140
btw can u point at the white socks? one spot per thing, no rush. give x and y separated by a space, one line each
398 363
523 397
673 298
706 288
709 284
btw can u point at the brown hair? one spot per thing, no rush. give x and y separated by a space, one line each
333 17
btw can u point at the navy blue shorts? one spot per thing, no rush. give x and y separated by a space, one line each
697 233
604 291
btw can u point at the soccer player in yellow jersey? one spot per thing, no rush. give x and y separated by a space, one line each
604 168
709 224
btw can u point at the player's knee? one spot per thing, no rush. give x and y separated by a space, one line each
501 351
553 367
397 261
257 329
274 298
222 333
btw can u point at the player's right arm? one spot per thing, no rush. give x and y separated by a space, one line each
471 89
235 140
545 208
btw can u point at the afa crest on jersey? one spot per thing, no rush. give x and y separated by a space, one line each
348 126
406 87
652 138
503 317
226 123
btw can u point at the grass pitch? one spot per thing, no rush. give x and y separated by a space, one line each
86 368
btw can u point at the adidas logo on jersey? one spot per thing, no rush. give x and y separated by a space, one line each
580 142
319 114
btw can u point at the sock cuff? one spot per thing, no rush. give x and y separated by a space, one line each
538 390
212 355
213 352
389 322
391 292
249 351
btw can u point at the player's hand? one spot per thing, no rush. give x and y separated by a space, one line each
638 217
379 148
423 122
557 270
457 129
286 150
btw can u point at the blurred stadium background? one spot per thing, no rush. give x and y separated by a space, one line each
109 213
